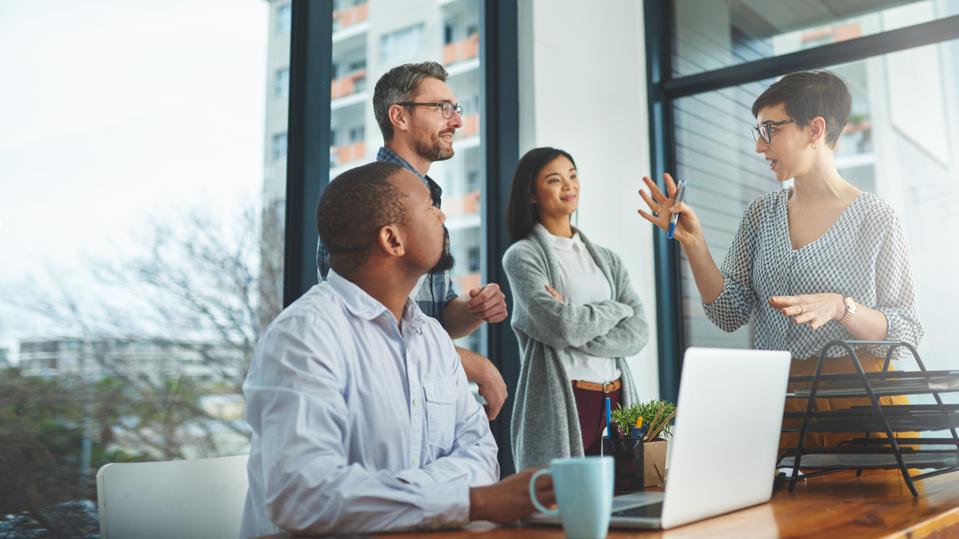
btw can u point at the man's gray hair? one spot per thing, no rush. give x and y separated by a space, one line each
398 85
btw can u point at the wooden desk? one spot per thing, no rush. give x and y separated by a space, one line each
832 506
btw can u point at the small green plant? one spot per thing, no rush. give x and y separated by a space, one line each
856 119
656 415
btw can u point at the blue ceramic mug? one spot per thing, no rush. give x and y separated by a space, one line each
584 492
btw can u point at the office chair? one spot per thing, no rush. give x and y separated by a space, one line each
201 498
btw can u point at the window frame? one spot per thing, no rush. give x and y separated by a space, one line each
308 163
308 140
664 90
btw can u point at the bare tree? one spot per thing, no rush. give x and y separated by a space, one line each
197 293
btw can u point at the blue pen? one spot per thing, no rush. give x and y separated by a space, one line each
680 195
609 419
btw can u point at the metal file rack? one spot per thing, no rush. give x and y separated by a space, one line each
939 455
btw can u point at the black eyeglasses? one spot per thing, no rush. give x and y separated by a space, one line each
446 109
765 130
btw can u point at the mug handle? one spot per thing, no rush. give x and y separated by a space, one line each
532 493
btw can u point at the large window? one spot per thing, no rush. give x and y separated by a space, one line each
371 37
714 152
901 141
882 150
711 34
142 238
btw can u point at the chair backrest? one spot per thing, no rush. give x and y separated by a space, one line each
201 498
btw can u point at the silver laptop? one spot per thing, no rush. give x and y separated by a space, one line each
725 441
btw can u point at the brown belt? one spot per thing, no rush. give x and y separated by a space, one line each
590 386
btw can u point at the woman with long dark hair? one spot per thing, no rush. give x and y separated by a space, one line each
575 314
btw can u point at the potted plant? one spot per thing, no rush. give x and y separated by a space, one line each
653 421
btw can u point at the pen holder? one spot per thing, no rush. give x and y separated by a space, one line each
628 456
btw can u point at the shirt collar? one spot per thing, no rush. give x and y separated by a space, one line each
366 306
561 243
388 155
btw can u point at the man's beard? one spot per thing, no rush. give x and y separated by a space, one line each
433 150
446 261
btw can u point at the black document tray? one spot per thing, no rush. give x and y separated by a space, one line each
901 418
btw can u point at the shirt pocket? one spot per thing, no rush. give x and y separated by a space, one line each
440 396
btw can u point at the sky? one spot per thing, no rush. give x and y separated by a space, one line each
116 112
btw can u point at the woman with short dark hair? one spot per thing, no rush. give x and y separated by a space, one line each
816 262
575 315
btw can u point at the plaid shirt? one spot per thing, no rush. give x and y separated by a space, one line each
436 290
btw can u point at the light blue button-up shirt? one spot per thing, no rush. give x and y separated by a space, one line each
360 424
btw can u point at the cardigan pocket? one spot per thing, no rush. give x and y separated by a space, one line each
440 393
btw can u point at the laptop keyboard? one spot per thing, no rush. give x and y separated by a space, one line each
653 510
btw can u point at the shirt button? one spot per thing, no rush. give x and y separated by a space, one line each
414 402
413 461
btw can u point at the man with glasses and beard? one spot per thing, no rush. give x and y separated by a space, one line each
361 414
418 116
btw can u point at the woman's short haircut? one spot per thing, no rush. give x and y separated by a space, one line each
353 208
808 94
400 84
521 213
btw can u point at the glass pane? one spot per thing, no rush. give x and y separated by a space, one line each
901 142
710 34
715 154
141 247
369 38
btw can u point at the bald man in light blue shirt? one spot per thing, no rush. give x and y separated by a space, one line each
361 414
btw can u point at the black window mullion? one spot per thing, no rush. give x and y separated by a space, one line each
500 134
842 52
308 141
669 312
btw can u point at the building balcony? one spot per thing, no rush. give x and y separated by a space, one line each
347 153
470 126
348 84
830 34
459 51
465 283
466 66
344 18
856 137
457 206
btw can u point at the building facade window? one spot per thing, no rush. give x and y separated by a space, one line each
362 53
281 83
403 45
278 147
284 18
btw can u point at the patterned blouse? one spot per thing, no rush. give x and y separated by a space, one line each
863 255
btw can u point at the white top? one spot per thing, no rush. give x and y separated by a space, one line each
359 424
581 281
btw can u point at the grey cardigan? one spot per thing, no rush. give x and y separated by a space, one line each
545 422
